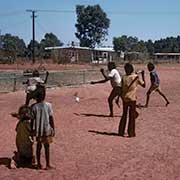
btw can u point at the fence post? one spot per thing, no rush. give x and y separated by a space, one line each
14 83
84 77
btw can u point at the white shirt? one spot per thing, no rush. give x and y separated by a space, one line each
115 78
42 111
32 82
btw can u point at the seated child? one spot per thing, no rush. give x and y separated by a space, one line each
24 142
32 85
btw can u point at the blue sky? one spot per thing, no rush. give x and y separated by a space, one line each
145 19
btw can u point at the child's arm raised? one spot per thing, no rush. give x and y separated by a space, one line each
47 74
106 78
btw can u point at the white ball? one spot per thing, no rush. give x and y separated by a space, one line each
77 99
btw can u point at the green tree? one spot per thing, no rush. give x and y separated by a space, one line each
150 47
13 44
50 40
30 49
140 46
125 43
92 25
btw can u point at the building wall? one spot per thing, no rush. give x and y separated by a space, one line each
75 55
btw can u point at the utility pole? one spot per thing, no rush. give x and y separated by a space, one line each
33 33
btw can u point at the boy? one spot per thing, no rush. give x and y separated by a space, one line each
155 82
24 143
43 127
130 82
115 79
33 84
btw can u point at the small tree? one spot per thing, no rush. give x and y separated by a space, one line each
92 25
50 40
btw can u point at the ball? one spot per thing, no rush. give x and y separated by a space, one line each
77 99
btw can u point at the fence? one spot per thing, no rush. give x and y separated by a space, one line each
10 82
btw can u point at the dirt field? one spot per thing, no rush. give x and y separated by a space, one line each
86 145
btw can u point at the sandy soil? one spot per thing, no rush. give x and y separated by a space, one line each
86 145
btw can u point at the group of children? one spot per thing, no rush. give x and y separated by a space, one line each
35 121
126 87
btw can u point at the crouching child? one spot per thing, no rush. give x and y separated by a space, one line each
24 141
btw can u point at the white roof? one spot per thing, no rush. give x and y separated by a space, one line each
167 54
109 49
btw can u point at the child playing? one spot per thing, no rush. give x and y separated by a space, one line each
130 82
115 79
43 127
33 84
155 82
24 155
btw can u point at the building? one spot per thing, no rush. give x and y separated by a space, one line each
76 54
166 56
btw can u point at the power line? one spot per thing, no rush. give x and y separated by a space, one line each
117 12
143 12
41 27
56 11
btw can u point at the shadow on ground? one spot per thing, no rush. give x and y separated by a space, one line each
5 161
94 115
104 133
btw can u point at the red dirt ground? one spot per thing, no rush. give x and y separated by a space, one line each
47 66
86 146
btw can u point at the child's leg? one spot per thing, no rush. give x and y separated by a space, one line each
132 117
46 147
38 154
117 101
119 94
111 97
148 95
123 120
160 92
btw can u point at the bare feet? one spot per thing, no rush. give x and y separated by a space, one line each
139 105
136 114
167 103
39 166
49 168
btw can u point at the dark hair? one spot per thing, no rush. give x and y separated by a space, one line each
35 73
24 112
128 68
40 93
111 65
150 66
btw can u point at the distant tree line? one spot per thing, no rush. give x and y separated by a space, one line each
132 44
91 30
10 43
